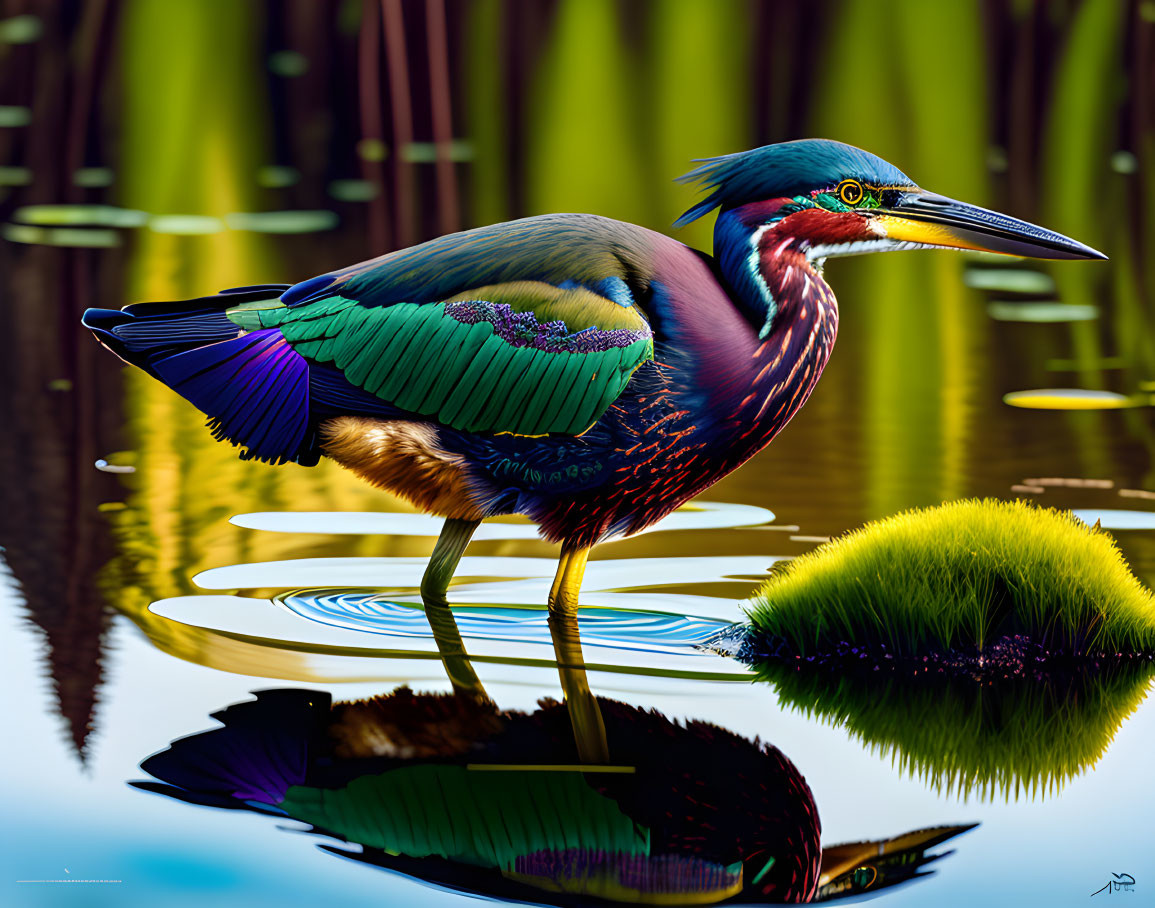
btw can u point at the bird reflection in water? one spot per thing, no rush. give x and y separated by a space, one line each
450 789
857 867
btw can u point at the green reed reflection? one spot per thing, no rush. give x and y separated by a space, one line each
914 432
1080 189
195 132
600 166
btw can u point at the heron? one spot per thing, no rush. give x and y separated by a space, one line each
590 374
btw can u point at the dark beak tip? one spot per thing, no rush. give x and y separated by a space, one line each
992 231
1086 253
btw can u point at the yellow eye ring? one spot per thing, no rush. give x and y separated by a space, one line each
850 192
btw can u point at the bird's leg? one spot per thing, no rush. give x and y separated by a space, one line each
588 728
455 536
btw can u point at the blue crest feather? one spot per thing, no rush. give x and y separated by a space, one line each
782 171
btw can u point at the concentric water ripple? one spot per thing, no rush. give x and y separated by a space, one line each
701 515
653 612
366 611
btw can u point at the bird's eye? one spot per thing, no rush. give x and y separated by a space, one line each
850 192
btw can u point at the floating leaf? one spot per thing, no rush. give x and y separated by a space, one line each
14 116
1068 399
1050 311
77 215
353 190
1015 280
185 224
283 221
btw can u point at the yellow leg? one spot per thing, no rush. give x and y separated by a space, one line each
588 728
455 536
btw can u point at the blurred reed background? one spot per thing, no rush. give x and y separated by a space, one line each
154 149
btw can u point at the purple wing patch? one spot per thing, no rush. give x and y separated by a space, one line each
254 388
667 874
522 329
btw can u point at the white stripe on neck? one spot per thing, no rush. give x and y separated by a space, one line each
754 264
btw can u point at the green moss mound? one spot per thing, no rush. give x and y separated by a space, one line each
1011 738
958 577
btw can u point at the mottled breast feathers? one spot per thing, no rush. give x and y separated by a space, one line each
523 356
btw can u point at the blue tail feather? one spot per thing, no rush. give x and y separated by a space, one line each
254 387
260 752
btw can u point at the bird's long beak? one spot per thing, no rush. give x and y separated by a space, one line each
935 220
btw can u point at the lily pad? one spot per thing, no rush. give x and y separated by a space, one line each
1068 399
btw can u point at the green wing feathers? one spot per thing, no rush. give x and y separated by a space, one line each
488 819
524 357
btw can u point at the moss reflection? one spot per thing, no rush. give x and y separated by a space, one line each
1003 739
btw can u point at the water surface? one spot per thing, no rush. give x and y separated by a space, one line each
224 144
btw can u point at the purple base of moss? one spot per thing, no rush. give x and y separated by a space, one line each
1008 657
